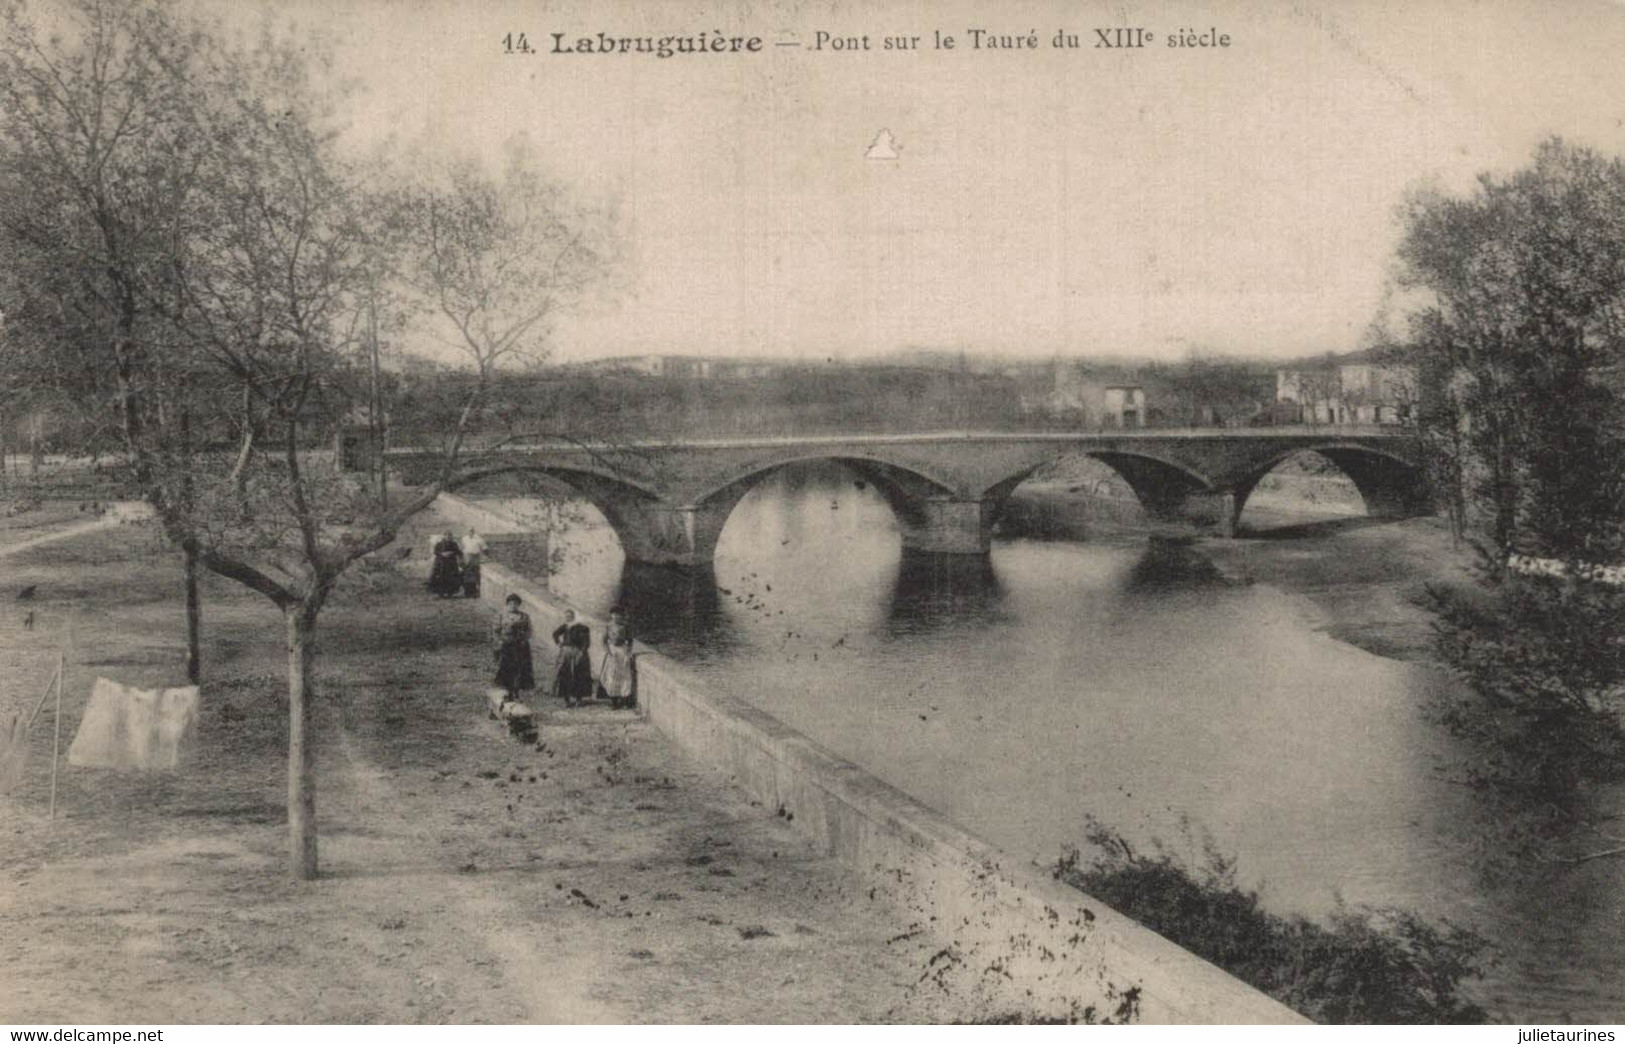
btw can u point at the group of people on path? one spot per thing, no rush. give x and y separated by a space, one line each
573 679
456 567
455 564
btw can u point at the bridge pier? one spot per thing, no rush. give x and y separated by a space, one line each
946 526
1218 510
654 533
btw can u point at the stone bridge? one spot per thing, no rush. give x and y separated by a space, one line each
668 501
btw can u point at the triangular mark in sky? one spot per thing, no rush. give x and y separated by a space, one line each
885 147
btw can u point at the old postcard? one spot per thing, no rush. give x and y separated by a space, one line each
812 512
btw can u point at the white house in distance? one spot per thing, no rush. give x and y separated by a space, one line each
685 367
1353 393
1124 406
681 366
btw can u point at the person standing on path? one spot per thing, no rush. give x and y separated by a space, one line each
473 547
572 671
446 576
515 672
618 678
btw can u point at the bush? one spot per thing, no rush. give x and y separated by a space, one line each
1542 659
1366 966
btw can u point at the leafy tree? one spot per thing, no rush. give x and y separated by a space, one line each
1518 341
99 143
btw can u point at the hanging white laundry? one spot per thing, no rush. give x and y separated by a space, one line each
125 727
13 751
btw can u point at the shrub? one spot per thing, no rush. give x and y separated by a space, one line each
1366 965
1543 660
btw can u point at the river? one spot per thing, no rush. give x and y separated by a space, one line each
1053 681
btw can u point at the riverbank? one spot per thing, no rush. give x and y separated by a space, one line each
596 876
1366 578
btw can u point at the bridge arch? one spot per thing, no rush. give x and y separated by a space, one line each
907 479
909 490
1160 483
580 477
632 509
1390 486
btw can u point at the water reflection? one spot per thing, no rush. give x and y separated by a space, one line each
930 592
1172 565
675 607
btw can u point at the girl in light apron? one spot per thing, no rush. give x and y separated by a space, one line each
618 676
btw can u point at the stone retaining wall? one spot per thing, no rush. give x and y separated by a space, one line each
467 512
509 540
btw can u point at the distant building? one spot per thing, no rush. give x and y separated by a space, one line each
356 445
1354 393
1060 396
685 367
738 369
652 365
1378 394
1124 406
419 366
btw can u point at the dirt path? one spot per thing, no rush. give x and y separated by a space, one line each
594 876
74 530
522 971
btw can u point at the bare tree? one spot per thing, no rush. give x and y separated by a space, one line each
199 204
496 259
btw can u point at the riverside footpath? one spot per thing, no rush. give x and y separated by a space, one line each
595 875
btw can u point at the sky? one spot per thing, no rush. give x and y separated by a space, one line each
1153 201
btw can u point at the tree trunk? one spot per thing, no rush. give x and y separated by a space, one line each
301 753
194 614
1506 499
381 446
239 469
194 660
375 417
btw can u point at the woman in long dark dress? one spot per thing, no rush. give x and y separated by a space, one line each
446 578
512 635
572 672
